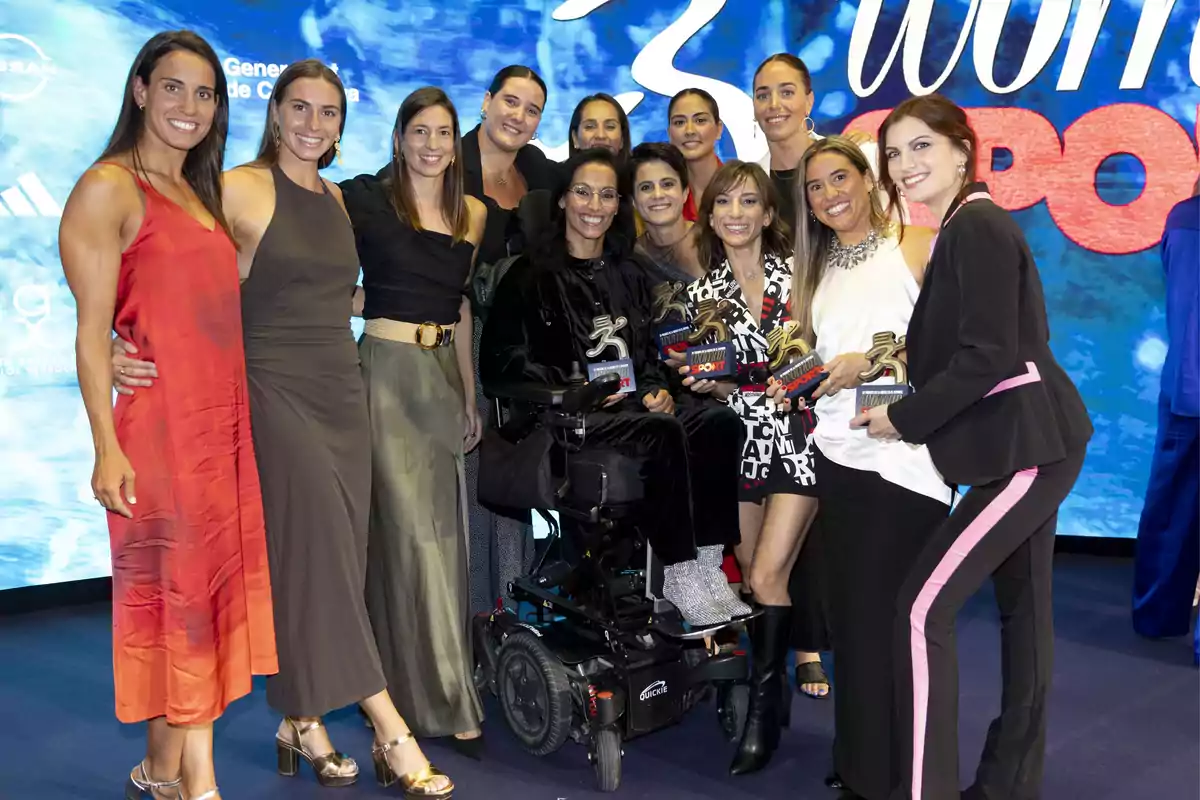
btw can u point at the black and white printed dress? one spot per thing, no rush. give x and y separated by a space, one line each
774 456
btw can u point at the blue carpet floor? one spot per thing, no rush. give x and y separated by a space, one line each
1125 716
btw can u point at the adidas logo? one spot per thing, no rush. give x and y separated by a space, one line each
28 198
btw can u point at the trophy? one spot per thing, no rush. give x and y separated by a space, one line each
671 318
793 363
884 357
604 330
715 359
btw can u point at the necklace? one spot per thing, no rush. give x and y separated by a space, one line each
844 257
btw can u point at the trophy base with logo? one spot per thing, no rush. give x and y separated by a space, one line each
672 338
709 361
884 357
801 377
622 368
871 395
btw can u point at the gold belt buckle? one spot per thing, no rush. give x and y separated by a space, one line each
439 336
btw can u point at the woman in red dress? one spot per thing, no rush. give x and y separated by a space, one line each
147 252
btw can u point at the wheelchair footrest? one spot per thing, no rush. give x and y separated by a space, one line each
734 667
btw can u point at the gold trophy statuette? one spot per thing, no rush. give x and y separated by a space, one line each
794 363
884 356
716 359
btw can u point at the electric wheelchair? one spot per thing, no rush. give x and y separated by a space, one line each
584 649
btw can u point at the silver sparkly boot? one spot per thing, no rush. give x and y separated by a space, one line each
685 587
724 598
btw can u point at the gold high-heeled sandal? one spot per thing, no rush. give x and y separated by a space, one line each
330 768
144 789
416 785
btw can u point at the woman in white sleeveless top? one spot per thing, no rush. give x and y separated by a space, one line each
855 276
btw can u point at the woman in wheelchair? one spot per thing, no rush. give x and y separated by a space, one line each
744 300
574 300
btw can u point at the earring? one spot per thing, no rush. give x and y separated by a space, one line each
962 170
337 149
276 131
809 126
482 116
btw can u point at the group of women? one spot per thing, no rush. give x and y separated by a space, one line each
300 503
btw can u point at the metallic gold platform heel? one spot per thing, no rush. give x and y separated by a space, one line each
417 785
144 789
330 768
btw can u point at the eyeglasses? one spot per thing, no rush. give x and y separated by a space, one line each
583 194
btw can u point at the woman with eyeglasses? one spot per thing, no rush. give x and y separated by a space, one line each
576 300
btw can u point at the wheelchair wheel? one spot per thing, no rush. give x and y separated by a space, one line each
534 694
606 759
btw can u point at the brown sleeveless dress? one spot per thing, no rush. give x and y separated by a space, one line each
311 432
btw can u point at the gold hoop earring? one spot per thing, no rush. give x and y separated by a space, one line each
276 131
337 150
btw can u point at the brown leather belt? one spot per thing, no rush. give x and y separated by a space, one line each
426 335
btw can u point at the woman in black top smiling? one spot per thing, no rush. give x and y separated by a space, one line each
417 234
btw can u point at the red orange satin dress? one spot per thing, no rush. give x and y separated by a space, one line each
192 615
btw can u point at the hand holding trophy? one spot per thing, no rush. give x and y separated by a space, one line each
604 333
884 356
794 364
714 359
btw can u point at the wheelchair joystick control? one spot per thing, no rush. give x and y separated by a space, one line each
576 377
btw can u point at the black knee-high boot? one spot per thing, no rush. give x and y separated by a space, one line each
769 635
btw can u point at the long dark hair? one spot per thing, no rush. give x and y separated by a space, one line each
203 164
548 249
812 235
942 116
622 118
268 148
454 202
776 237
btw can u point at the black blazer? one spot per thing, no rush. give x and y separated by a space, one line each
990 398
540 174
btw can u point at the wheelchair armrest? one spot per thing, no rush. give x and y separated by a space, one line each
571 399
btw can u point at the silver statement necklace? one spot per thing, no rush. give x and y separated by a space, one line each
844 257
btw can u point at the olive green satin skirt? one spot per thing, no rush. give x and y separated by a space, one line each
418 595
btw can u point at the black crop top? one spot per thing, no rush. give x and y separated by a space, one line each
408 275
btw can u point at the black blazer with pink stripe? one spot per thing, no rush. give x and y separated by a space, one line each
990 399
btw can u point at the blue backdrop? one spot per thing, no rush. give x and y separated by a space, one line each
63 64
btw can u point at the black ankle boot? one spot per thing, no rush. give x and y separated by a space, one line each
769 635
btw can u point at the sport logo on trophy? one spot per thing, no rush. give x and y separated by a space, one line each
604 329
671 318
715 359
793 363
884 358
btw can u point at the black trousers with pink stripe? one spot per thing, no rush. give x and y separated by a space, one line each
1003 530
